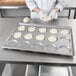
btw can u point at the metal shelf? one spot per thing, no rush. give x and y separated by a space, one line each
36 70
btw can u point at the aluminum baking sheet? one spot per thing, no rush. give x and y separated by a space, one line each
59 41
42 70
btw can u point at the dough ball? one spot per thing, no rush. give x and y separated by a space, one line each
26 20
17 35
40 37
31 29
42 30
52 39
53 31
65 32
28 36
47 19
21 28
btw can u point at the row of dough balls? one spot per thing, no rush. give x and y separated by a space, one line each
31 29
38 37
22 28
43 30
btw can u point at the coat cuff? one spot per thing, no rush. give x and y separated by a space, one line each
32 7
60 6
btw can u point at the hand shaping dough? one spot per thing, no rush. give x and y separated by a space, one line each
26 20
40 37
28 36
65 32
21 28
31 29
42 30
17 35
52 39
53 31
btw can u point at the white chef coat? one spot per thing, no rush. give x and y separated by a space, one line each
45 5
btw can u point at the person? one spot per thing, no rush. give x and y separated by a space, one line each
45 9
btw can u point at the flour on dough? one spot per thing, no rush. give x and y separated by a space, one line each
40 37
17 35
28 36
31 29
65 32
21 28
42 30
53 31
26 20
52 39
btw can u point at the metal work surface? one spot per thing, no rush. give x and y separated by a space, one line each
7 25
42 39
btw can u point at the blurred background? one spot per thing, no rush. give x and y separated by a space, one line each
18 8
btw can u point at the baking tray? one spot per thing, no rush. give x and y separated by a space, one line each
42 70
62 46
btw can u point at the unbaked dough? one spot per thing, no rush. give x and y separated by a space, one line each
21 28
52 39
31 29
40 37
17 35
47 19
42 30
26 20
28 36
53 31
65 32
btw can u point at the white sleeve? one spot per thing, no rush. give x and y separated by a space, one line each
60 4
31 4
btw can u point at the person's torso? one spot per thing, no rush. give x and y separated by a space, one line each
44 5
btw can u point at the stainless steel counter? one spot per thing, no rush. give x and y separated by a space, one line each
7 25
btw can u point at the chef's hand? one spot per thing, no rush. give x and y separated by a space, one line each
53 14
43 16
